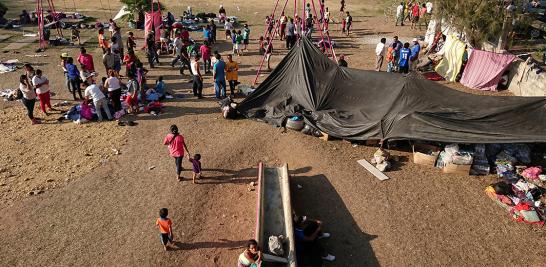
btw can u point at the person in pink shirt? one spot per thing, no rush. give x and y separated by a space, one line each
86 60
205 54
176 144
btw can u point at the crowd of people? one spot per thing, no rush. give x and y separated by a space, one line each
400 57
418 13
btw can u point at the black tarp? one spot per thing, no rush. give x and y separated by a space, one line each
360 105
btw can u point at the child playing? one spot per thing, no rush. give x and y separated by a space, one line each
76 34
239 43
165 228
196 166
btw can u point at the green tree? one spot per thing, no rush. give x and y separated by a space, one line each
139 7
479 20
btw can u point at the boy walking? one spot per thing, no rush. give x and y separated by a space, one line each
165 228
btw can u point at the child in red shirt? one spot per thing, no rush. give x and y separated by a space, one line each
165 228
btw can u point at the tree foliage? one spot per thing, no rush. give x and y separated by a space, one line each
479 20
3 9
140 6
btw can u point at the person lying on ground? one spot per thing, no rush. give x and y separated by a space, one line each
252 256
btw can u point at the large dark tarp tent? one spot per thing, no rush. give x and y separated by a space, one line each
359 105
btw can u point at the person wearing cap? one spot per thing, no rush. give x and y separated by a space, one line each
415 50
93 92
341 62
64 58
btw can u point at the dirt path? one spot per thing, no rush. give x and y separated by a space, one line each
419 217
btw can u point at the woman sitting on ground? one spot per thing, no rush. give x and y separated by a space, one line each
252 256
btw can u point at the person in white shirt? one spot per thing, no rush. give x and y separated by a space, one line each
113 84
400 14
41 83
429 7
99 100
380 54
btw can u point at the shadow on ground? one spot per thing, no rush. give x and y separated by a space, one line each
318 199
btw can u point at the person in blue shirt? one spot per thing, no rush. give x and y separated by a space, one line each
219 77
207 33
404 59
73 78
415 49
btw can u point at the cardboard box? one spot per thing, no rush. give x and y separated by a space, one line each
325 137
457 169
421 156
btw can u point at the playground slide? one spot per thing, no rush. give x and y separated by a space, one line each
274 215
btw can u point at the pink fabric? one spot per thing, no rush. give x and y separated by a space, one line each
205 51
87 61
155 19
484 69
176 145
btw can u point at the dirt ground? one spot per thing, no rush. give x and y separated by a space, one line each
98 208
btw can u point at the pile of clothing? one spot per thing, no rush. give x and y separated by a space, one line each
83 113
455 154
521 190
524 200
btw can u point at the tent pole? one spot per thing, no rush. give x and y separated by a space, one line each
55 17
267 48
303 17
317 22
271 18
327 35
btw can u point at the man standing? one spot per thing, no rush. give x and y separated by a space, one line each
177 43
348 22
119 40
219 77
151 52
197 78
232 69
99 100
380 54
108 60
213 29
396 53
415 50
400 14
290 34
